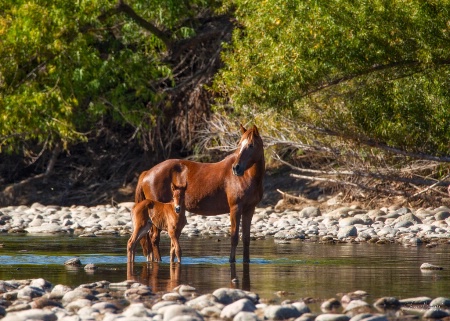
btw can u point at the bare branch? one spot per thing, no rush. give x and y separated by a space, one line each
372 143
298 198
375 68
122 7
361 186
431 186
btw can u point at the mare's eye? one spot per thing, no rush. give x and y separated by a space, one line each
250 145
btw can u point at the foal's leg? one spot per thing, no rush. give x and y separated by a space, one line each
141 226
155 236
145 244
235 218
149 247
246 224
175 248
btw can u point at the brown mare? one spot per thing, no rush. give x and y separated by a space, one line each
233 185
169 217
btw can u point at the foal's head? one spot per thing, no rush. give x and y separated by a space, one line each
250 150
178 193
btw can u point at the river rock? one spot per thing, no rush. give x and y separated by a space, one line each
45 228
349 221
347 231
29 292
357 305
404 224
231 310
422 300
32 314
227 295
330 305
387 302
185 290
307 317
428 266
176 311
73 262
90 267
361 316
245 316
78 293
332 317
281 312
173 296
338 213
78 304
203 301
435 313
410 217
138 310
309 211
440 302
369 317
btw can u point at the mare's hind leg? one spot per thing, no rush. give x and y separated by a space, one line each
246 224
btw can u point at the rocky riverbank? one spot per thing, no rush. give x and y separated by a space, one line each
37 299
342 224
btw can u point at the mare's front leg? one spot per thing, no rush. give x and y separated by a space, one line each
246 225
235 219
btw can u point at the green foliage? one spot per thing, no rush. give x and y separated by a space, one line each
368 69
62 68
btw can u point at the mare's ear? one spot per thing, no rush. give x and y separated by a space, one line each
243 130
255 130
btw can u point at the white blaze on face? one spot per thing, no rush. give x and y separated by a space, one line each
244 143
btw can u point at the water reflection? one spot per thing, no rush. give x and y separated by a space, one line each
160 277
165 277
235 282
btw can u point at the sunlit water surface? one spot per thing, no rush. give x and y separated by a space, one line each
303 269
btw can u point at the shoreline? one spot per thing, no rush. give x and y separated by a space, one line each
344 224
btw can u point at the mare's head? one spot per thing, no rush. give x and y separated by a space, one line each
249 151
178 192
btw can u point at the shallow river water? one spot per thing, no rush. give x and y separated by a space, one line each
301 269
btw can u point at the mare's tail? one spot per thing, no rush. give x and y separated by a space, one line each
139 196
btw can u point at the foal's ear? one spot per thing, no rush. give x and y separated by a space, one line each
243 130
255 130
